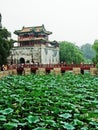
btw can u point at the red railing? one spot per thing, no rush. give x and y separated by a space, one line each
51 66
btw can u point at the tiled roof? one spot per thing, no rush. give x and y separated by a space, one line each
28 29
36 29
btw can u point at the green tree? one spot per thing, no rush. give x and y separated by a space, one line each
88 52
69 53
6 44
95 47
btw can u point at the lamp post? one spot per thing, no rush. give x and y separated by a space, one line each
32 55
40 55
11 58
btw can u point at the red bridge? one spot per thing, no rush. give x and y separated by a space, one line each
65 67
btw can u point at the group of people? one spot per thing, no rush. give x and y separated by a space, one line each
3 67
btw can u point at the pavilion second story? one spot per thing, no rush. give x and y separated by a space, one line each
29 36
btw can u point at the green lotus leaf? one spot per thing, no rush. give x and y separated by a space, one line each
39 128
68 126
2 118
7 111
65 115
32 119
10 125
77 122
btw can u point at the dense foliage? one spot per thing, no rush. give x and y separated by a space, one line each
49 102
88 52
70 53
95 46
5 45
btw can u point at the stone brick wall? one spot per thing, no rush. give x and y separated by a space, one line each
39 54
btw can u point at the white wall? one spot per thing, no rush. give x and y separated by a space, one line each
50 55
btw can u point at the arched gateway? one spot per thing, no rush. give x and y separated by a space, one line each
22 61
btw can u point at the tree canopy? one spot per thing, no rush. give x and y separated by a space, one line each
88 52
69 53
6 44
95 46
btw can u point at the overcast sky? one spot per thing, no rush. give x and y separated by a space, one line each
70 20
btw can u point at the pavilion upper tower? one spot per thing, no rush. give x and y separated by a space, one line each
29 36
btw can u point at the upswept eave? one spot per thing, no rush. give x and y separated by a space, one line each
36 29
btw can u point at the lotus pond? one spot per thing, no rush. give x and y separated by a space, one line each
49 102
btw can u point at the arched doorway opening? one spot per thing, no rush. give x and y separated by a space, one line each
22 61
